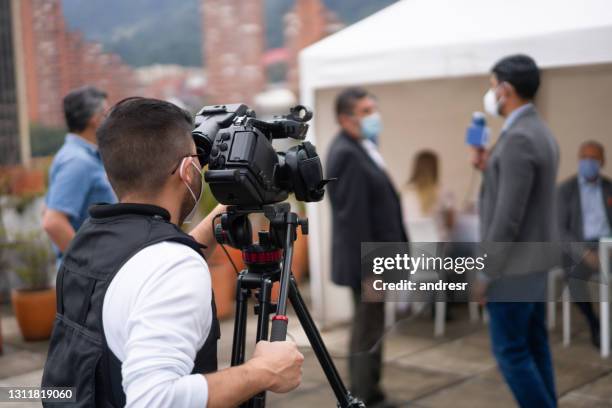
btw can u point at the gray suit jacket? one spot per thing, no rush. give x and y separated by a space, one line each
518 189
517 201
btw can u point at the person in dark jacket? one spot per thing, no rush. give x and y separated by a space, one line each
585 215
365 208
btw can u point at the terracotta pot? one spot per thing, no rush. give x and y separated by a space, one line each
35 312
300 257
223 278
23 181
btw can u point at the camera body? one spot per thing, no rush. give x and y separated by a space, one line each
243 167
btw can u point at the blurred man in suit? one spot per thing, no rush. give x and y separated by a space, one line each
517 204
365 208
585 216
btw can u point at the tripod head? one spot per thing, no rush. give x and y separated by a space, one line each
271 255
236 231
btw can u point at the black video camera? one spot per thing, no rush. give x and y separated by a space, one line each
243 167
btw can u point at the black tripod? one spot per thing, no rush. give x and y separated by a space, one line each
266 264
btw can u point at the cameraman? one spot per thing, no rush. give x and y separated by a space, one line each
136 321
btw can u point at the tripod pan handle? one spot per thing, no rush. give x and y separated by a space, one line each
279 328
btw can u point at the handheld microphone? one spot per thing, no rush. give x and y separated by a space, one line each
477 134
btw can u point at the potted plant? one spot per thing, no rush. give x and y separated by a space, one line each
34 302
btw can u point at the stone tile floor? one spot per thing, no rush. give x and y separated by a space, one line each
456 370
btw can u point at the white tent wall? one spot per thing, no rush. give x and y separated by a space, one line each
433 114
428 63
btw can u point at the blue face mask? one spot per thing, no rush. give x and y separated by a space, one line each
589 168
371 126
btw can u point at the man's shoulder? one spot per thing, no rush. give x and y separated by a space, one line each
69 156
568 184
533 136
170 251
341 147
530 125
161 263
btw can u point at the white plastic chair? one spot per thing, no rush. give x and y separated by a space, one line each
555 275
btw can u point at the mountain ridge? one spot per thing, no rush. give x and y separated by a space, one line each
145 32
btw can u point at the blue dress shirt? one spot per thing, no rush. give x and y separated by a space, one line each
77 180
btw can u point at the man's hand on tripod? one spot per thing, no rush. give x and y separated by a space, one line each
275 367
281 361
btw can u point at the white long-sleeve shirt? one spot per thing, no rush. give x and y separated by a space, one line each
156 316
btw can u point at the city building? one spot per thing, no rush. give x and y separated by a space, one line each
233 48
58 60
184 86
308 22
14 136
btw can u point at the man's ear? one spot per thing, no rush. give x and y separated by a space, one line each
96 120
508 91
345 120
183 173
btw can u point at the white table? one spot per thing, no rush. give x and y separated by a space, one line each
605 245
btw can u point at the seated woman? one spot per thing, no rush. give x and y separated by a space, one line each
427 211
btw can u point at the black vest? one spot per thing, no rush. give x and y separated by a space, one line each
78 353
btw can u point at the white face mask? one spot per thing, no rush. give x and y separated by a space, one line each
197 199
491 105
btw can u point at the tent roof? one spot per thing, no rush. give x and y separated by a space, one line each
415 39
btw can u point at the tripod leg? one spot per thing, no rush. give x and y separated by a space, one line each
263 310
280 321
343 397
242 295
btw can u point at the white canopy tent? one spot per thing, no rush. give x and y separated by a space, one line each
415 39
421 40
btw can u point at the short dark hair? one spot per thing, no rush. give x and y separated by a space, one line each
140 141
346 100
80 105
521 72
592 143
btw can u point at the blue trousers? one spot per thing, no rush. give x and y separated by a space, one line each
520 345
